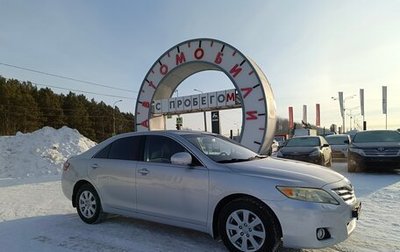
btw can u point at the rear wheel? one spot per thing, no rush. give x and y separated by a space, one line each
88 204
247 225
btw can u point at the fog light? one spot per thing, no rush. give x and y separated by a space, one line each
323 233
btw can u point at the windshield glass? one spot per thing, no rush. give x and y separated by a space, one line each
303 142
376 136
336 140
221 149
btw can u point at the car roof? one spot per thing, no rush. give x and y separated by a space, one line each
163 132
337 135
306 137
373 131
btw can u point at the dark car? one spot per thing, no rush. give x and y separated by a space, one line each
374 149
312 149
339 145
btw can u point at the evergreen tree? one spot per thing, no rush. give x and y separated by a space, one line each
25 108
77 115
50 106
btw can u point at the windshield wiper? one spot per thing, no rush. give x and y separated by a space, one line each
236 160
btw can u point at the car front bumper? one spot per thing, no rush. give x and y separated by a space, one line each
382 162
300 220
339 154
305 158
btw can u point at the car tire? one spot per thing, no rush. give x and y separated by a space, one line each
323 163
351 167
248 225
329 162
88 205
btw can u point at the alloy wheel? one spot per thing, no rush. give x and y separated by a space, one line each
245 230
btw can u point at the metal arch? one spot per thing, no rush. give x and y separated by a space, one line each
257 138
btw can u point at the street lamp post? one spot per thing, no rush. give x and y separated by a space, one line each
204 112
344 110
114 116
352 116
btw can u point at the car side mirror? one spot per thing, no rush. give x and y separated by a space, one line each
346 141
325 145
181 158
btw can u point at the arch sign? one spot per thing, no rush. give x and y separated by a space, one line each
204 54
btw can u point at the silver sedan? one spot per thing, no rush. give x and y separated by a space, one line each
209 183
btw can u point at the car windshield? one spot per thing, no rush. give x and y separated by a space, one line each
221 149
376 136
336 140
303 142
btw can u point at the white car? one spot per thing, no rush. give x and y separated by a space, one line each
339 145
209 183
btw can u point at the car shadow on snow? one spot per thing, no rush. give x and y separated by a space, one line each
114 234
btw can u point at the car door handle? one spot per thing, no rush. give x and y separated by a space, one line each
95 166
143 171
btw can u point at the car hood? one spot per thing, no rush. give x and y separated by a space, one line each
299 150
288 172
376 145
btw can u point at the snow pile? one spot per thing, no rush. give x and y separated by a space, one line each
40 153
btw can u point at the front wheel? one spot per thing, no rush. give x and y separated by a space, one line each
88 205
247 225
330 162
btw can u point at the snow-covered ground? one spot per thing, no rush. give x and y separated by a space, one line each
35 215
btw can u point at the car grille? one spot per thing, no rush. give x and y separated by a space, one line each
381 151
346 193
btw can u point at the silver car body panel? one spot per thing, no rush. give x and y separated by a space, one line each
187 196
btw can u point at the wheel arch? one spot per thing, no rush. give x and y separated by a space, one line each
76 189
223 202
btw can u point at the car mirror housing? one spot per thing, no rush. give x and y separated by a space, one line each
181 158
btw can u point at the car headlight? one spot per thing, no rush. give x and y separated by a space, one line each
307 194
315 153
357 150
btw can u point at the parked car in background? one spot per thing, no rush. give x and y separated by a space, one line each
339 145
312 149
274 147
374 149
209 183
281 138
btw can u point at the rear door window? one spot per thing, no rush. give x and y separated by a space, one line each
127 148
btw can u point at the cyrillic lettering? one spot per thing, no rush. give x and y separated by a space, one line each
246 91
218 58
199 53
180 58
163 69
235 70
252 115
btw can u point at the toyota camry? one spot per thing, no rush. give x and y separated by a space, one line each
209 183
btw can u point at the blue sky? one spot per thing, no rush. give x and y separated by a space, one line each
309 50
